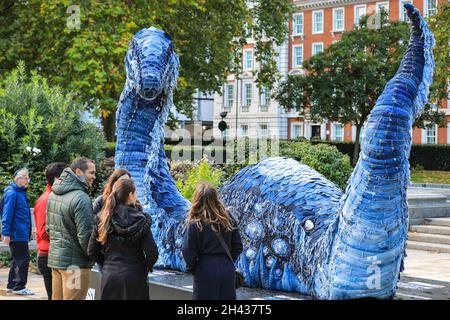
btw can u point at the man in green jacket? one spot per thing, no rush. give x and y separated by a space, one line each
69 226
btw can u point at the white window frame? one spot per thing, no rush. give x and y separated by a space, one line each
228 105
294 27
264 97
448 132
245 101
355 18
296 124
335 29
294 58
313 52
401 9
246 68
242 131
426 136
382 3
334 136
314 31
259 130
426 6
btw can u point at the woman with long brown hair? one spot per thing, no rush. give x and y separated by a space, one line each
123 245
210 228
118 174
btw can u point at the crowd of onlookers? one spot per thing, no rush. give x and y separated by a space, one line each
72 234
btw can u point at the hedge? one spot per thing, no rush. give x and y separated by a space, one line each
428 156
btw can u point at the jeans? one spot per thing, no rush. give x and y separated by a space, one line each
46 274
18 273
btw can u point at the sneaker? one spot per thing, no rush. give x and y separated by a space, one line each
23 292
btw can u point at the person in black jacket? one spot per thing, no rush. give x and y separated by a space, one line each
206 258
123 245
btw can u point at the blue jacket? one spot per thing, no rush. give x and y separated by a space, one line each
16 218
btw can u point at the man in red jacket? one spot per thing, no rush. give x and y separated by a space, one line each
52 172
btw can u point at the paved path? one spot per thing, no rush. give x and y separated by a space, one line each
426 277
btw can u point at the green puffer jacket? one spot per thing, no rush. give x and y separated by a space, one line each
69 222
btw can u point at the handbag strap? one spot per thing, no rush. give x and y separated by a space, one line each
224 245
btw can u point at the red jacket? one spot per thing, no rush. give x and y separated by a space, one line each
40 212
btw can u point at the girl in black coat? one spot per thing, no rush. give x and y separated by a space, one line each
123 245
206 258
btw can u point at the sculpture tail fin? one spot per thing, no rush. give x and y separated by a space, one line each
369 243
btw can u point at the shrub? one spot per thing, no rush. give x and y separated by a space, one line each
201 172
326 159
40 124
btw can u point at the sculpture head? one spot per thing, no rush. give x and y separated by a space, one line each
151 63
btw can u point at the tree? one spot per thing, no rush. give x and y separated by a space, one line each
343 83
40 124
440 26
88 58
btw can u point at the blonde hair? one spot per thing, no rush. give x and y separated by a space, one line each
207 207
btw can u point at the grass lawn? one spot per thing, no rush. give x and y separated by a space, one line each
428 176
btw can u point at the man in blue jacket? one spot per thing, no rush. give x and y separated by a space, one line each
16 230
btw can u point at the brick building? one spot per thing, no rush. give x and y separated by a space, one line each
314 26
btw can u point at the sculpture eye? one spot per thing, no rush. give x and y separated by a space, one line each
309 225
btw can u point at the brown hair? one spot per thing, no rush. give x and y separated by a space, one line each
207 207
116 175
80 163
119 195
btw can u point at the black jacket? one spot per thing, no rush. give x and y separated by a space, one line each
128 255
214 273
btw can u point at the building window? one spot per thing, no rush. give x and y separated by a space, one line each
244 130
430 7
338 19
317 21
431 134
248 60
297 130
317 47
359 12
297 56
402 11
263 131
264 99
247 96
382 5
298 24
338 132
229 95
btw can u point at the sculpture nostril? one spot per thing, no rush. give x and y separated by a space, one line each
150 92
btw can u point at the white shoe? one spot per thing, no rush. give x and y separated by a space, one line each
24 292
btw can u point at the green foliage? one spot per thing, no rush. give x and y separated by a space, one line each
343 82
326 159
440 26
40 124
201 172
426 156
89 60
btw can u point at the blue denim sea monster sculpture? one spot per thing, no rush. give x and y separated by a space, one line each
300 232
152 70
